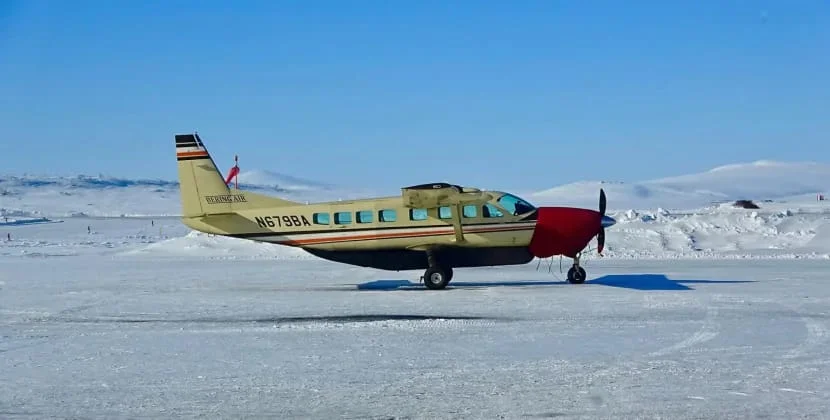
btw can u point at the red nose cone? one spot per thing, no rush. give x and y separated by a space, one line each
564 230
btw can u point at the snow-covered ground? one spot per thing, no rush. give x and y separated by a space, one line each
698 310
114 334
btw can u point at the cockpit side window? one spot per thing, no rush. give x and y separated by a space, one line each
515 205
488 210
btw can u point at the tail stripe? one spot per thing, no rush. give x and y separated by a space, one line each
185 138
193 158
190 147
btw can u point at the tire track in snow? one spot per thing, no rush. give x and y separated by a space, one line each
817 334
709 330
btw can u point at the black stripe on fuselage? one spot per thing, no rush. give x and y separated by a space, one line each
381 228
192 144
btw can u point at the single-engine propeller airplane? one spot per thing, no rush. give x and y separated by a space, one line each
436 227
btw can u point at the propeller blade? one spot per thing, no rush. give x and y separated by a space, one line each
601 202
601 234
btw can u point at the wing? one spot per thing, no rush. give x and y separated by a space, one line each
427 196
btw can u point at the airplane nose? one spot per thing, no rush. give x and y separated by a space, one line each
608 221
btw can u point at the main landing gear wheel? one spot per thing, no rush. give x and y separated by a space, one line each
437 278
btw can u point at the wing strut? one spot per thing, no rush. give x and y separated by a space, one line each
456 222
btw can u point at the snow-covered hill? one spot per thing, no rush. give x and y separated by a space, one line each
264 178
761 180
104 196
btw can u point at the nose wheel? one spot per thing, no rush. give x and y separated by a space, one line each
576 274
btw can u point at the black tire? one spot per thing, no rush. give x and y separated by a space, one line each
576 276
437 278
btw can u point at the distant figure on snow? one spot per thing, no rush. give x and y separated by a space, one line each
89 229
9 236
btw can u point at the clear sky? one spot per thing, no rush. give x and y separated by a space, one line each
528 94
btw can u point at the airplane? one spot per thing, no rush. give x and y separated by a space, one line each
435 226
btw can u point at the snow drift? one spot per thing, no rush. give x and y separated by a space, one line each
758 181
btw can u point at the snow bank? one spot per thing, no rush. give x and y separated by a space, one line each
197 244
720 232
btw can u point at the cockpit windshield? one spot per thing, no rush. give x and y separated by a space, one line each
515 205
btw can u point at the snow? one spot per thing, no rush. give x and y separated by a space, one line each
110 307
106 196
276 179
133 335
758 181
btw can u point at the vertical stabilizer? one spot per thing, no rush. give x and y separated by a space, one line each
203 190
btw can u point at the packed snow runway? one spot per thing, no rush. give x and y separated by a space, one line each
118 325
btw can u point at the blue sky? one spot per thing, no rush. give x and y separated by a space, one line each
523 95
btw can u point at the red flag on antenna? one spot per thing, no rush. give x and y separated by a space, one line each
234 172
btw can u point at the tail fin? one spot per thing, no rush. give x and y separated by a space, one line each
202 187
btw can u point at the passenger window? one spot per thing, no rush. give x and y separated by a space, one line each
387 215
444 213
342 218
320 218
469 211
418 214
364 216
489 210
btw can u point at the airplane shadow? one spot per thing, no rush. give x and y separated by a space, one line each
625 281
654 282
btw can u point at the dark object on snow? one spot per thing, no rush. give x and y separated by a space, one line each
747 204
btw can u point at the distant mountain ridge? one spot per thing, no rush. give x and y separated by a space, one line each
83 195
109 196
759 180
253 179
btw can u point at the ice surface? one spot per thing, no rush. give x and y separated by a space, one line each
698 310
140 317
137 335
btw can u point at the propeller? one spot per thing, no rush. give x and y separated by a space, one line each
604 221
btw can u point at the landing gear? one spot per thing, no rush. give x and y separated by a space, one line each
576 274
436 277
